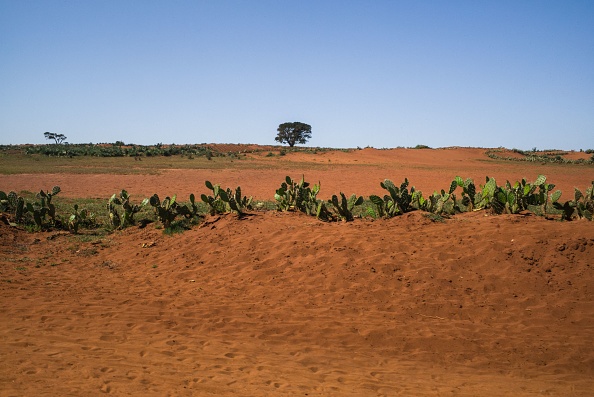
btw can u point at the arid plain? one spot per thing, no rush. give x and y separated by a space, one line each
283 304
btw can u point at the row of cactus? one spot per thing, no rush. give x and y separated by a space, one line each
42 213
299 196
121 150
39 211
512 199
523 196
540 157
401 200
168 209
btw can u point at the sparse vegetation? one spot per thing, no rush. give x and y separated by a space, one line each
543 156
534 197
40 211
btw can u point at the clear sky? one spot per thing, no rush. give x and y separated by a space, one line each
518 74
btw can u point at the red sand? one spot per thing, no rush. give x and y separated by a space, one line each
359 171
282 304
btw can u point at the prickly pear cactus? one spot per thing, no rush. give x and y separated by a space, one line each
344 207
168 209
453 186
12 199
487 198
397 202
224 201
567 209
20 208
4 206
122 203
298 196
379 205
76 219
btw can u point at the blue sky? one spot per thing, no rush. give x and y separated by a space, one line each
361 73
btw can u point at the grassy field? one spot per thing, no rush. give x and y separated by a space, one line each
13 164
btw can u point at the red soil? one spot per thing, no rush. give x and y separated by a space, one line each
282 304
358 171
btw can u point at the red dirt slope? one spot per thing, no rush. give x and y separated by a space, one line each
281 304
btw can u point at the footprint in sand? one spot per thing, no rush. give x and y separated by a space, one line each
106 388
275 384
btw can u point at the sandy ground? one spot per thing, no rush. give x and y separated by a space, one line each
359 171
281 304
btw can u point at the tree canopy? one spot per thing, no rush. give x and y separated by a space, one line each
59 138
292 133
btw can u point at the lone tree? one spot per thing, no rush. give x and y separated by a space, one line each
292 133
59 138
